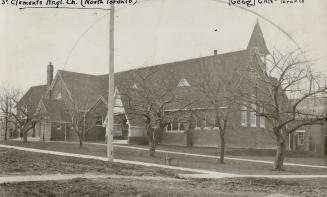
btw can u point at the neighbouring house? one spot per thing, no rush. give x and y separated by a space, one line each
87 94
30 101
65 94
313 137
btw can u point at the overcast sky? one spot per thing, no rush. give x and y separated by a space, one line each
153 32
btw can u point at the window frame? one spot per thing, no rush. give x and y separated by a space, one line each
253 115
197 120
262 119
215 127
171 130
298 140
99 118
58 127
244 116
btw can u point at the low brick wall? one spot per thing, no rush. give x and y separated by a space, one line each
253 138
95 134
177 139
137 140
205 138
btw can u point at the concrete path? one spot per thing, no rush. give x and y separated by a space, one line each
214 176
207 156
116 160
57 177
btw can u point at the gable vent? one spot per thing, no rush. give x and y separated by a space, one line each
183 83
135 86
59 96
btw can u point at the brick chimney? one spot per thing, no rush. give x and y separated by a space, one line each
49 74
215 52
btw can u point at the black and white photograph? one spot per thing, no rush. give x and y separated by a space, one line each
163 98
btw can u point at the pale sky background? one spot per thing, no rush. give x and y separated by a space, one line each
149 33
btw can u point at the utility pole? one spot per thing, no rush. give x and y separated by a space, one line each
110 122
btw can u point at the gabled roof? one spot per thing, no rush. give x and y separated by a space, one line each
191 70
32 97
55 110
257 41
312 105
85 89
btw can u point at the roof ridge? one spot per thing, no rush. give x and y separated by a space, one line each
38 86
73 72
186 60
161 64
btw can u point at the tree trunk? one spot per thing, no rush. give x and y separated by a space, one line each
280 155
152 148
222 147
25 137
80 142
6 129
33 134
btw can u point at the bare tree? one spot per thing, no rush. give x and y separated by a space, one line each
217 83
146 94
284 76
25 115
78 125
8 98
81 122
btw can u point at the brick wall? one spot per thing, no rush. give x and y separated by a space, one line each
205 138
57 132
45 130
96 133
314 139
236 136
177 139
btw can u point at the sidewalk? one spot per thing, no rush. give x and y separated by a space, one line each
57 177
214 176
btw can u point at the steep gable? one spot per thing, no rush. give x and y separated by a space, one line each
84 89
257 41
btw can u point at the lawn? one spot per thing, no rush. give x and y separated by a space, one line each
14 162
231 166
301 157
251 187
